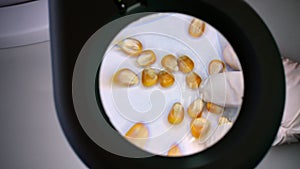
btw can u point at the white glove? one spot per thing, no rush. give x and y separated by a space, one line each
224 89
289 131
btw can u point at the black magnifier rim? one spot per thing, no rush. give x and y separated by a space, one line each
254 130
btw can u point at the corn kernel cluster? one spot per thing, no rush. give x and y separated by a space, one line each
199 126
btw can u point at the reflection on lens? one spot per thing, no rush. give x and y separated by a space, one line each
171 84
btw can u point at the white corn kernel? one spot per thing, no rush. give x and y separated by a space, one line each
131 46
196 108
193 80
169 62
125 77
146 58
223 120
216 66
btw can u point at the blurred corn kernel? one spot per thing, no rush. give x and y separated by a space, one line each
195 109
149 77
138 134
199 127
146 58
169 62
176 114
193 80
174 151
223 120
185 64
166 79
196 28
214 108
125 77
216 66
131 46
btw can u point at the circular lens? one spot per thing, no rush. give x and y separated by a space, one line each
171 84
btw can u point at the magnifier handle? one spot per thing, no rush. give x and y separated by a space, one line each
224 89
125 5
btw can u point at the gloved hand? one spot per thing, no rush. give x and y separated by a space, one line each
225 89
289 130
229 88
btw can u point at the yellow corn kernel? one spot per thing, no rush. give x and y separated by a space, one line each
199 127
169 62
125 77
193 80
196 28
174 151
131 46
185 64
176 114
146 58
138 134
166 79
149 77
195 109
216 66
214 108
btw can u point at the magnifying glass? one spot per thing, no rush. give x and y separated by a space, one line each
149 84
151 88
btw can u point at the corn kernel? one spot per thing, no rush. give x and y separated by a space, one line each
195 109
199 127
138 134
125 77
131 46
169 62
176 114
146 58
216 66
185 64
196 28
174 151
193 80
149 77
223 120
166 79
214 108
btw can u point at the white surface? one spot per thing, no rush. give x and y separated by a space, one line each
31 136
24 24
282 18
10 2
